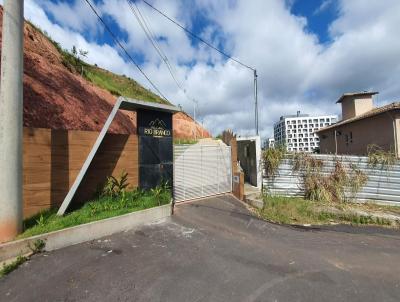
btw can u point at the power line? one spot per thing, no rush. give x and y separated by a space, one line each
116 40
150 36
197 37
256 116
145 25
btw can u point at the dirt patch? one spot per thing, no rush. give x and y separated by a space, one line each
56 98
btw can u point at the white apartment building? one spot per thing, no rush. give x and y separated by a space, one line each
297 132
269 143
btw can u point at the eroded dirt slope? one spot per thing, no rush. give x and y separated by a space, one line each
55 97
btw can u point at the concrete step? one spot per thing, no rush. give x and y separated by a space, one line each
254 199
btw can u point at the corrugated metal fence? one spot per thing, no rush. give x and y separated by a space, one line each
383 184
201 170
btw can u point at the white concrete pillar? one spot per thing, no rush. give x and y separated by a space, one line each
11 110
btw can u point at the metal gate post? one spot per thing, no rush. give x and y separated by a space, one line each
218 163
201 169
230 165
184 179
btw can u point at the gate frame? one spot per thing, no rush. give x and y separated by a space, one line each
123 104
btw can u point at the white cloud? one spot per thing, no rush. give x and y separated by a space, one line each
77 16
325 5
295 71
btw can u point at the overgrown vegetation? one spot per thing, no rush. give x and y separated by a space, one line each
8 268
118 85
115 186
272 158
290 210
377 157
115 199
37 247
339 185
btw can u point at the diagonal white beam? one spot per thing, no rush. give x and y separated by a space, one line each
82 172
123 104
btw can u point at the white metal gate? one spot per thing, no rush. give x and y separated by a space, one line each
201 170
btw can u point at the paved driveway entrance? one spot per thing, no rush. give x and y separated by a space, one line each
213 250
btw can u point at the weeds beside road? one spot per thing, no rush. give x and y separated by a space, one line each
293 210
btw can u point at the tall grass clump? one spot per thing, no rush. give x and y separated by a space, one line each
272 158
339 185
379 157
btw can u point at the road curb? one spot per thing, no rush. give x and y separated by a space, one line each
84 232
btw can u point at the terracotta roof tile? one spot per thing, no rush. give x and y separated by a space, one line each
373 112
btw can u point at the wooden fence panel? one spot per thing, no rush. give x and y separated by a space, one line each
53 158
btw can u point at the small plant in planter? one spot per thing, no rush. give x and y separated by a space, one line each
156 192
159 191
115 186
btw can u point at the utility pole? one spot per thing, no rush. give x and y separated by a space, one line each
11 104
256 101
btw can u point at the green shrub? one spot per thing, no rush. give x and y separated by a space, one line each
116 186
272 158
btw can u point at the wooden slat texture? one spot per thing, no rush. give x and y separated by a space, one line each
53 158
238 187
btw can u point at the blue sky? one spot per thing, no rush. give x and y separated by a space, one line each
307 52
319 13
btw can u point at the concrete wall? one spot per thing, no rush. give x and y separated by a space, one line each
352 107
52 159
249 156
356 136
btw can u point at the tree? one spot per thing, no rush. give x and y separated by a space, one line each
74 51
83 53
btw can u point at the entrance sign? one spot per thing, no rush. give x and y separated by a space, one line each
151 169
156 128
155 148
154 123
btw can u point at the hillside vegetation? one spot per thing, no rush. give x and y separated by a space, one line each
118 85
63 92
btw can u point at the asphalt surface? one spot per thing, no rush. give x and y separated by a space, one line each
214 250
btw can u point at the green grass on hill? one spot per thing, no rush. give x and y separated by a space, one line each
118 85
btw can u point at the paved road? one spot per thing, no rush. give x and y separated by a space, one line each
214 250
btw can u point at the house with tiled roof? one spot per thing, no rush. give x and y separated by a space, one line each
362 126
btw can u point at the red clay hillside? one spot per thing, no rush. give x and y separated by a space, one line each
57 96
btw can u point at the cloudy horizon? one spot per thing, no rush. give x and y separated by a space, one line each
306 57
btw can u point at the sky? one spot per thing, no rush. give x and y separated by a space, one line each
307 52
